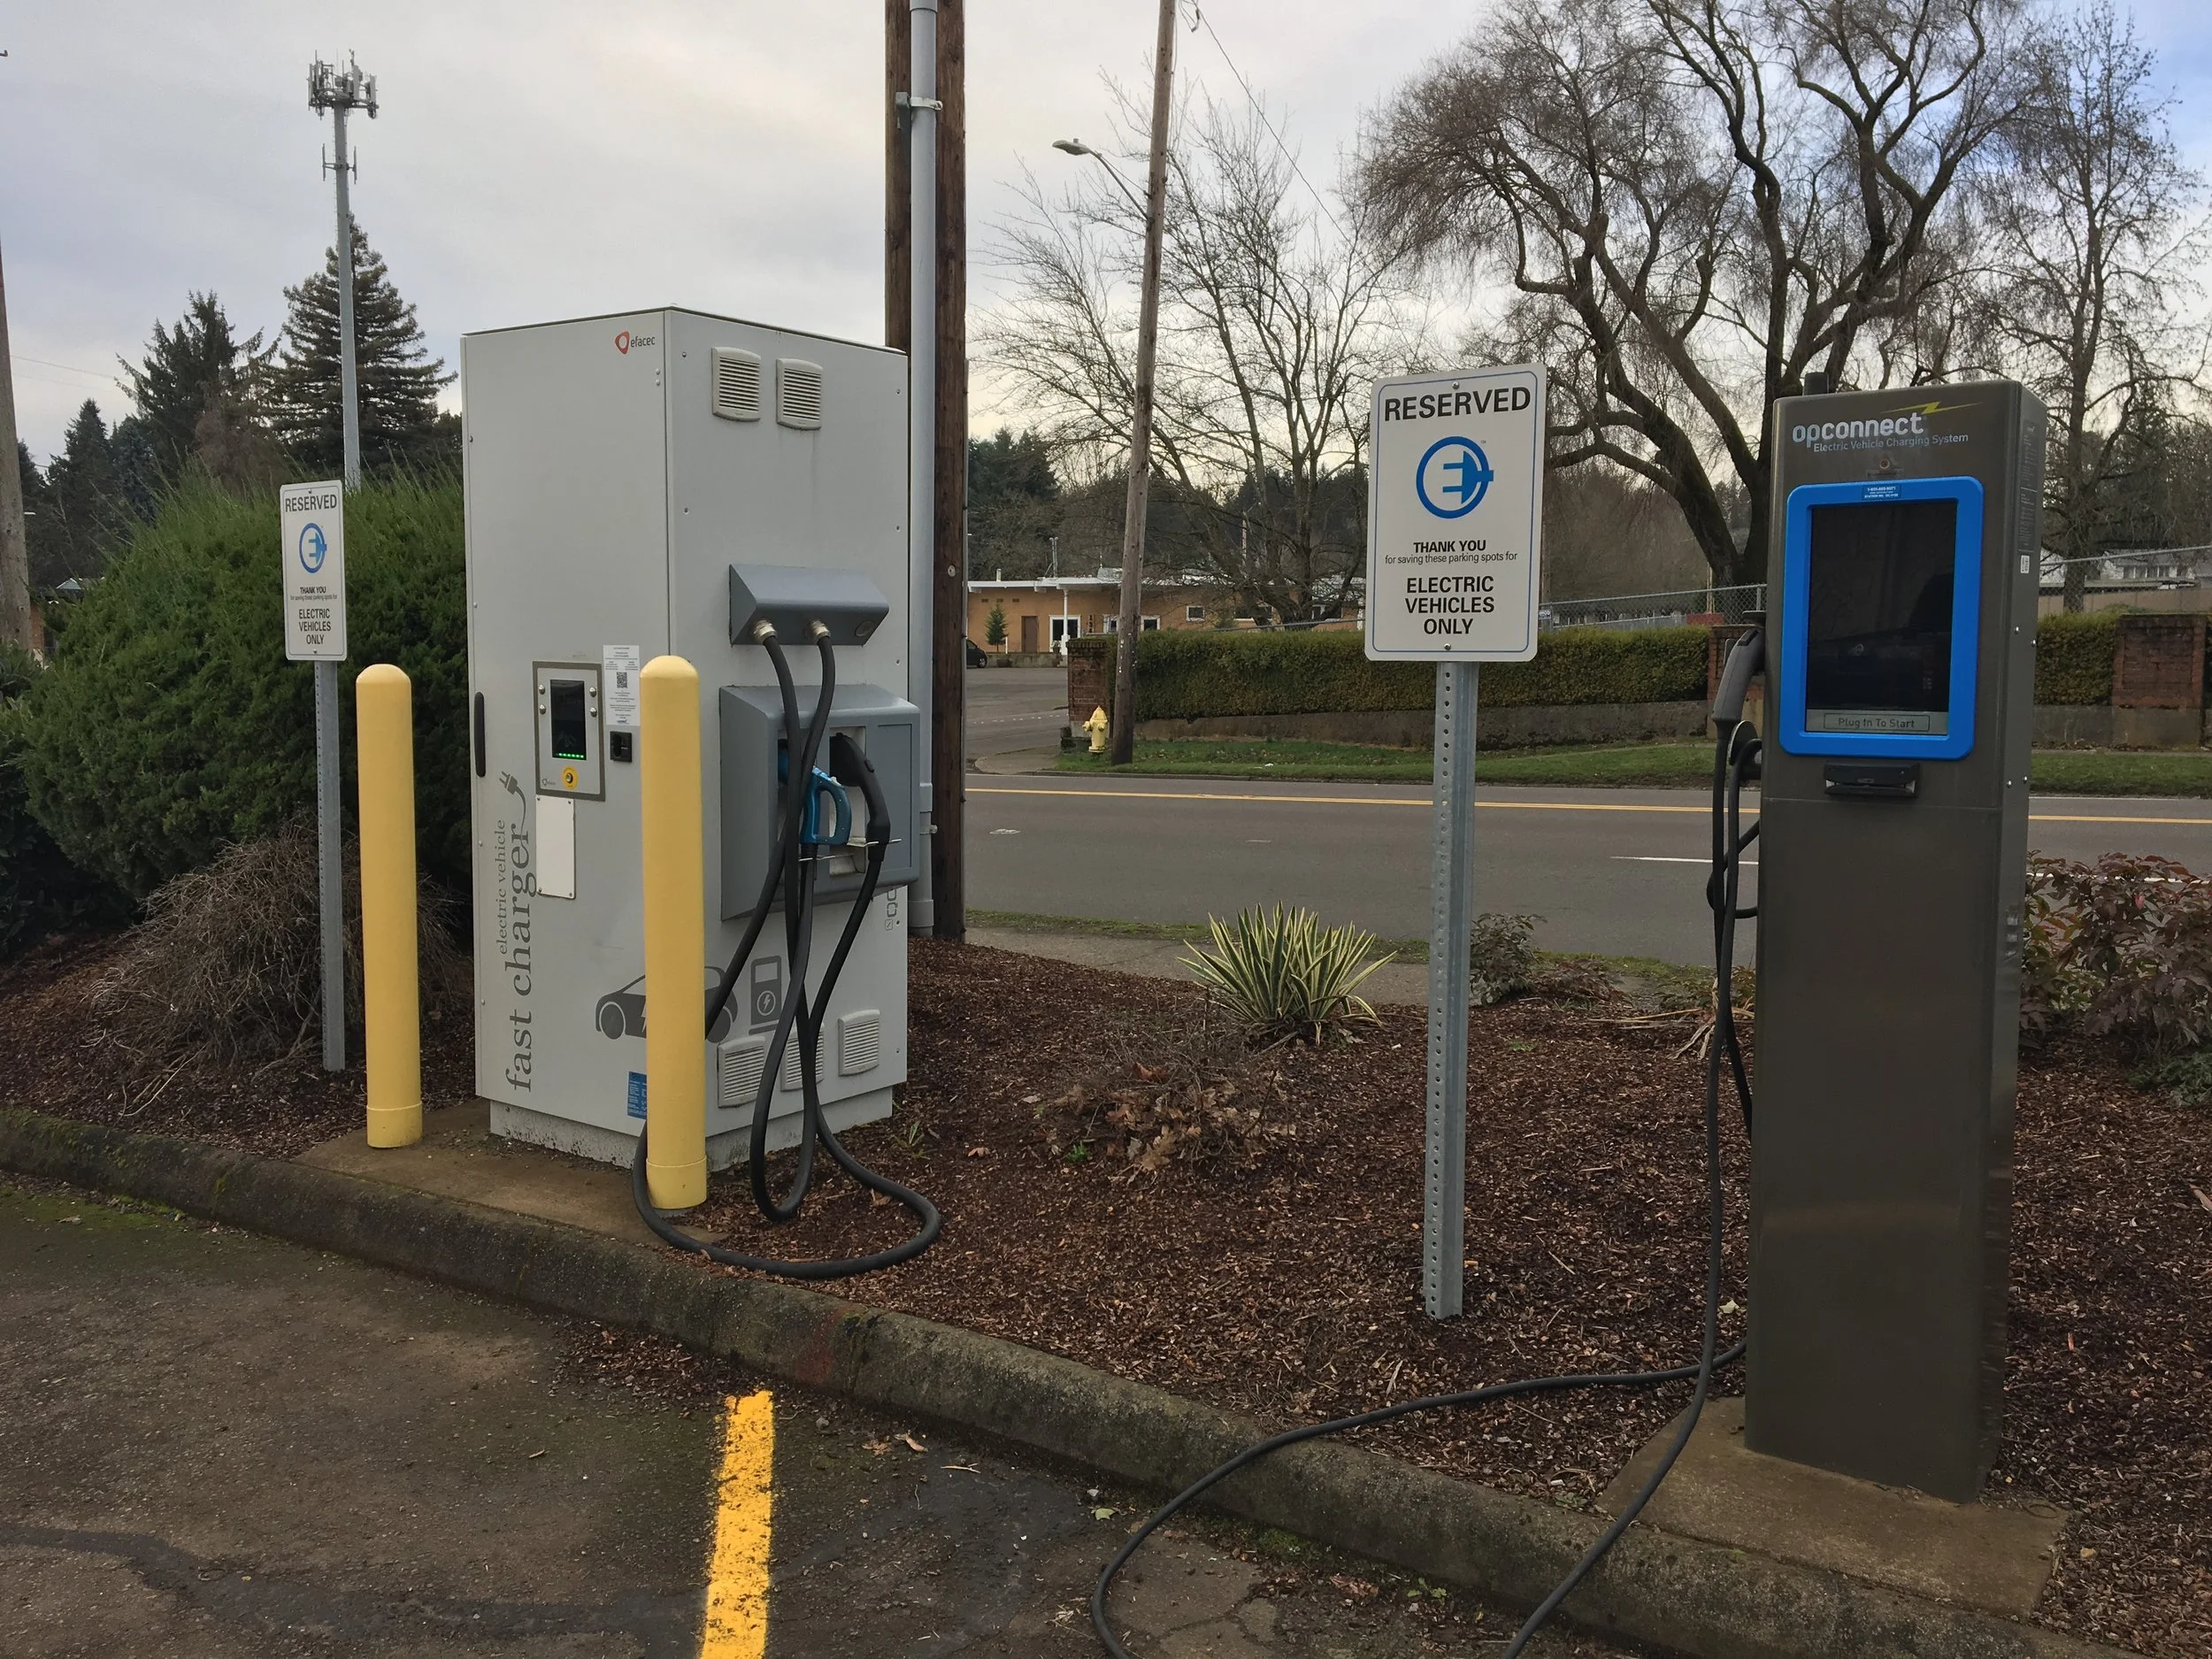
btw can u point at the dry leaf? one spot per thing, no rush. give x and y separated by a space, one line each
2201 1199
979 1152
879 1447
910 1443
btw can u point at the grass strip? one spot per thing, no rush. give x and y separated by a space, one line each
2171 775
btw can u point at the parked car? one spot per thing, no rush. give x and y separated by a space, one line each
977 656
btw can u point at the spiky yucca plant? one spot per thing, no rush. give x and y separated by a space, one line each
1281 972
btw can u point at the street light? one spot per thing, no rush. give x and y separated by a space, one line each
1155 214
1077 147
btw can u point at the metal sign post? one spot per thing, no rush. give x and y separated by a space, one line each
1454 530
313 547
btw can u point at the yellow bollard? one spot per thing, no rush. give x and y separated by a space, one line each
675 935
383 705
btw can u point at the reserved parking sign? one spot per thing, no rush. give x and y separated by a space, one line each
1455 515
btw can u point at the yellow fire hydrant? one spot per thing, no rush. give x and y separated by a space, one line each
1096 726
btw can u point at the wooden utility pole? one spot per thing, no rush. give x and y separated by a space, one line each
948 675
1125 719
19 620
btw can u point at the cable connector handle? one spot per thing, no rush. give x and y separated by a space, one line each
907 102
1746 658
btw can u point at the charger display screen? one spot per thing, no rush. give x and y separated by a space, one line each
565 713
1880 580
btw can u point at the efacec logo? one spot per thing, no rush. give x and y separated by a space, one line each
626 340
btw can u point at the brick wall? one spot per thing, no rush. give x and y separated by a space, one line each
1090 678
2159 663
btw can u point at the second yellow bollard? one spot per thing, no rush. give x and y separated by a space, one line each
675 934
383 704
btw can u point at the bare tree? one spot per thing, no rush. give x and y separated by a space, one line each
1697 202
1276 317
2092 252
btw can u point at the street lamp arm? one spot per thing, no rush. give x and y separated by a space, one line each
1077 147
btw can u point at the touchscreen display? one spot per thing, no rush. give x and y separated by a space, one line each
568 722
1879 589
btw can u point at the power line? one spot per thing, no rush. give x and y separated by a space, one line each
46 363
1200 21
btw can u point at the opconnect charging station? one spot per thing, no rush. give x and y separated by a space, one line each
1900 636
659 483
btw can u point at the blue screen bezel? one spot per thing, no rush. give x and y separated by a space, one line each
1966 617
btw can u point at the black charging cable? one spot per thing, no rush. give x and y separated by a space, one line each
794 866
1734 759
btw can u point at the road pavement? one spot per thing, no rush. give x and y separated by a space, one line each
220 1447
1616 871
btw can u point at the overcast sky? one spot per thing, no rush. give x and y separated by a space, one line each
554 158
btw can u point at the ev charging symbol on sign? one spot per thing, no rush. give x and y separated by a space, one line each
1465 475
313 538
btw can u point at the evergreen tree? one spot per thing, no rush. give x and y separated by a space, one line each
139 482
41 529
398 380
198 362
82 496
1014 507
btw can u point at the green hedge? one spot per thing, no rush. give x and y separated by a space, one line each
1191 674
41 891
170 723
2074 656
1185 673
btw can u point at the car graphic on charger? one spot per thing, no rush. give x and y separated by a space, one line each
622 1013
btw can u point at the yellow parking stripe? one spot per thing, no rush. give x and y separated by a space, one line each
1502 806
736 1624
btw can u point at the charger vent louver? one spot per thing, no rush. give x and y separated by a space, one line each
736 383
859 1042
798 394
737 1068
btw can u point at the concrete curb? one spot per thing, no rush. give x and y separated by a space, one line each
1674 1592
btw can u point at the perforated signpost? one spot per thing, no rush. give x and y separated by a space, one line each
314 547
1455 529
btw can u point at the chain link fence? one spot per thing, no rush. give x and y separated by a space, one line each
1681 607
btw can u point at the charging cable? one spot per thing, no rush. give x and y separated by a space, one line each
793 864
1736 751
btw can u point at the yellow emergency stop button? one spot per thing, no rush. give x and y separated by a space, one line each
568 777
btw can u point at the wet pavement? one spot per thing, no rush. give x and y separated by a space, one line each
219 1445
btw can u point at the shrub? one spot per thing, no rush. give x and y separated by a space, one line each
2074 655
171 725
1500 956
2122 948
1185 673
227 965
41 891
1283 974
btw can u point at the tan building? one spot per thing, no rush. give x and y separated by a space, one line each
1043 611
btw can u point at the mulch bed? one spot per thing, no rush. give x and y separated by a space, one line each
1283 1277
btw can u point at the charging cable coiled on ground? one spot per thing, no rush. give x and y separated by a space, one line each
793 866
1736 753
